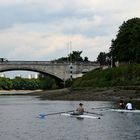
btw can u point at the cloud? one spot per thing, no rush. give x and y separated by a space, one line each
23 45
8 2
39 29
46 11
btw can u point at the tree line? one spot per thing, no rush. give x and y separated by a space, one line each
18 83
75 56
125 48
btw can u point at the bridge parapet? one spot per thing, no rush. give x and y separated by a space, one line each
47 62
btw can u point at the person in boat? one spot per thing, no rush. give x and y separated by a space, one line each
121 104
79 110
129 106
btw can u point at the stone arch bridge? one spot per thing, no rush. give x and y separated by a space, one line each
60 71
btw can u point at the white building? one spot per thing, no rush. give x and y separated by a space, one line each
36 76
2 75
19 75
30 76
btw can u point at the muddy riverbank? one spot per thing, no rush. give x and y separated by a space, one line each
82 94
90 94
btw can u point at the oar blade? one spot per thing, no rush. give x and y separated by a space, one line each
41 115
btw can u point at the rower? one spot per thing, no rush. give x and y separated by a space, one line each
79 110
121 104
129 106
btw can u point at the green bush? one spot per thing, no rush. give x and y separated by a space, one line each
120 76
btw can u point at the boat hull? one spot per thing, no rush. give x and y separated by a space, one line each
127 111
80 116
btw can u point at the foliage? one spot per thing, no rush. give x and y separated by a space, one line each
68 83
24 83
75 56
86 59
46 82
120 76
19 83
5 83
126 46
104 58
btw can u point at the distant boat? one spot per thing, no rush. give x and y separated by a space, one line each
125 110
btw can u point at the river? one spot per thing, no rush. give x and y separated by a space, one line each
19 121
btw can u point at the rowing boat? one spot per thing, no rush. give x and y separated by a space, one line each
125 110
80 116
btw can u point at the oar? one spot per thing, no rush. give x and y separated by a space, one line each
55 113
93 113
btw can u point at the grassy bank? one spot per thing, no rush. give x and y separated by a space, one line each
121 76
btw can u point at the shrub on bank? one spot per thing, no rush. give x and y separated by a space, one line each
120 76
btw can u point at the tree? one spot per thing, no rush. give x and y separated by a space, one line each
126 46
75 56
86 59
104 58
47 82
5 83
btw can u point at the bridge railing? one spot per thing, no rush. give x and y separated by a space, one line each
25 62
45 63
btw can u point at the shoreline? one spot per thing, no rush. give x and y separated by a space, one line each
90 94
81 94
17 92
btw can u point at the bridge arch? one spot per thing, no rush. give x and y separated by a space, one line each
59 81
59 71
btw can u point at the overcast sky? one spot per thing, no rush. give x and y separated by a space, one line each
41 29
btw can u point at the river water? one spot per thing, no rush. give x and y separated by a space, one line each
19 121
